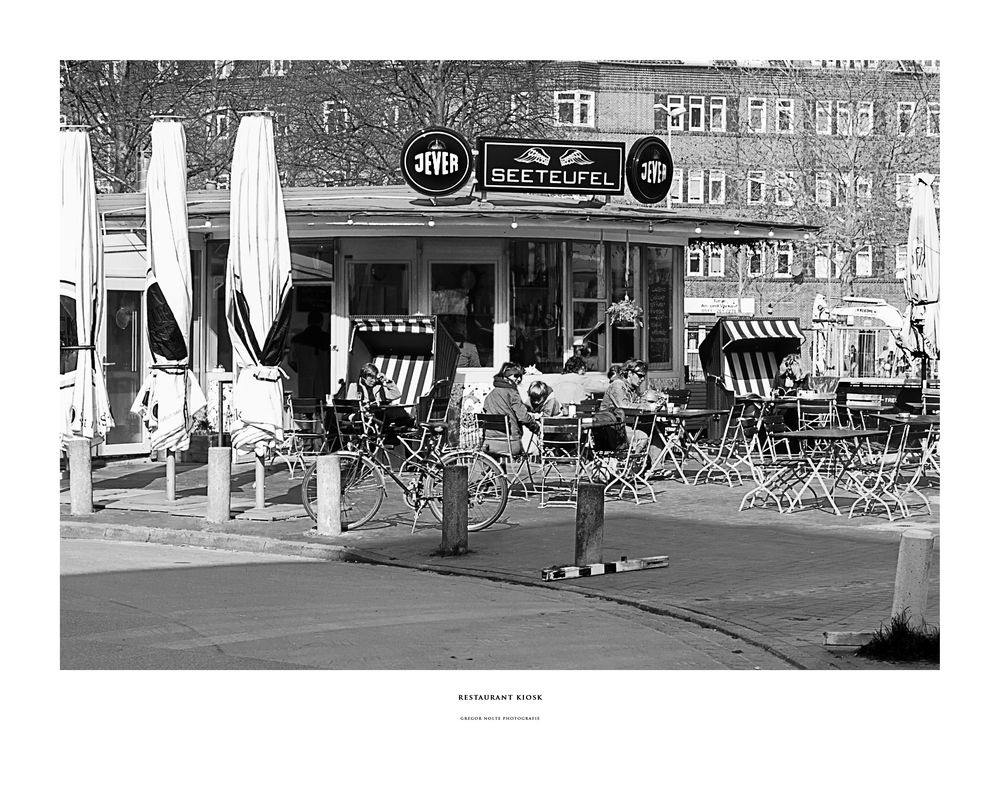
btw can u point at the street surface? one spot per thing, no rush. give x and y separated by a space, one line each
146 606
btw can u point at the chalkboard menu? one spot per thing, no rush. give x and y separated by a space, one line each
659 311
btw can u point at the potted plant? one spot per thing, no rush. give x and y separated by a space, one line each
625 313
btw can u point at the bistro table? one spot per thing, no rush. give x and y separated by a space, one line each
676 441
831 457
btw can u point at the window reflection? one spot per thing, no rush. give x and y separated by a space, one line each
462 295
378 288
536 303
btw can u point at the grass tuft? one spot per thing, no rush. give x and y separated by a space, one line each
900 642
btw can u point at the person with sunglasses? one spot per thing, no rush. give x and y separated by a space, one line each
624 392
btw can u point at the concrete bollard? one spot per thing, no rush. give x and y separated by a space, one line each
328 495
260 473
81 480
589 524
455 511
220 472
171 476
913 570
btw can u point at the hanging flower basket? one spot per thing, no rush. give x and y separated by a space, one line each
625 313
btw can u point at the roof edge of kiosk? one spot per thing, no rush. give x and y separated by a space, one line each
386 207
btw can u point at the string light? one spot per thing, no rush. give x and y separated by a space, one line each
513 224
698 229
771 232
430 223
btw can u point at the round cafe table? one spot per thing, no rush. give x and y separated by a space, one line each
676 442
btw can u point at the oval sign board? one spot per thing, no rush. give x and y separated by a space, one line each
436 161
649 170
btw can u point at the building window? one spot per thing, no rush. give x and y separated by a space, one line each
936 190
335 117
821 264
662 105
864 188
785 116
784 186
843 118
223 69
754 265
377 288
717 115
218 123
904 117
575 108
933 119
695 262
222 181
757 119
662 263
784 258
520 105
863 262
824 190
824 117
866 115
901 257
696 113
276 68
677 187
696 186
755 187
536 270
717 187
904 188
716 262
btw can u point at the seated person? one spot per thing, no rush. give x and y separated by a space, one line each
791 377
505 399
377 393
543 400
569 390
624 392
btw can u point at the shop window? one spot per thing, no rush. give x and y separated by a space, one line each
375 288
463 296
757 119
904 117
824 117
219 347
696 113
717 115
590 295
659 305
536 304
312 260
785 116
575 108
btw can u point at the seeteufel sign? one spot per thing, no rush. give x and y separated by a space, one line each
552 166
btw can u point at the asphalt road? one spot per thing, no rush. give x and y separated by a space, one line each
144 606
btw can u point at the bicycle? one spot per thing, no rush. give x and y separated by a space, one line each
365 460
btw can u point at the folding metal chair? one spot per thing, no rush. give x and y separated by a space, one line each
500 424
733 448
876 483
304 432
816 413
628 470
772 471
560 454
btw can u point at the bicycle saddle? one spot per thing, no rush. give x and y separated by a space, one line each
434 427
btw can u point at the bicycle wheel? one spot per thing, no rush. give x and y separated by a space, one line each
488 487
362 488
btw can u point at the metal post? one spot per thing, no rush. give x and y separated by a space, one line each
455 512
589 523
913 570
218 385
81 483
328 495
171 476
220 470
259 482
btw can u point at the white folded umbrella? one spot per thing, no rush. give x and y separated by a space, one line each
922 280
170 397
86 411
258 287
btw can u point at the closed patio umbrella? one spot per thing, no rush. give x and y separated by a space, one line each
258 286
922 281
86 411
170 397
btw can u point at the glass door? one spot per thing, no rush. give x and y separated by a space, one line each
124 368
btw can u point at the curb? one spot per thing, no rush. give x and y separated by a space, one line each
221 540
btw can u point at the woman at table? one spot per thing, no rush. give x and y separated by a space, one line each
624 392
378 393
505 399
543 401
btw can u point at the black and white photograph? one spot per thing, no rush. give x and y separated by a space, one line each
508 398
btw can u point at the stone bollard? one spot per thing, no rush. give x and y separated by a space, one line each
455 512
81 481
171 476
589 523
220 472
328 495
913 569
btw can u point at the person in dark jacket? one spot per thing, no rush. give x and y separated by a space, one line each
506 400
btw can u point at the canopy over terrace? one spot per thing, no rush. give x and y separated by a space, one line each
400 211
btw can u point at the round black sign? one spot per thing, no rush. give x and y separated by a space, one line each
436 161
649 170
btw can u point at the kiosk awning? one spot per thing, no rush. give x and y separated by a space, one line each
742 329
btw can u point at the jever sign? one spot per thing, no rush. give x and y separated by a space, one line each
436 161
649 169
550 166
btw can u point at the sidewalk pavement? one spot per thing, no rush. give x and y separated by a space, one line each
774 581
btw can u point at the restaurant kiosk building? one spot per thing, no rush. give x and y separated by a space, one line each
520 272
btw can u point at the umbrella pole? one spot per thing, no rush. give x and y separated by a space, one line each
259 482
171 476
